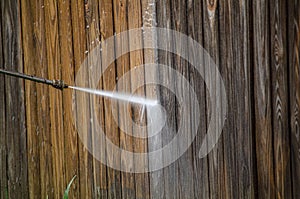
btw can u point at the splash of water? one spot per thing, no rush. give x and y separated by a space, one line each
118 96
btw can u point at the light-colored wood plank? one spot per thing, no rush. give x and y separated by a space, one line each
55 96
109 83
29 16
67 74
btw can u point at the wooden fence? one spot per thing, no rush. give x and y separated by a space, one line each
256 45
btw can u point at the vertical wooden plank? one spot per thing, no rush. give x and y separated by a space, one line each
227 51
93 38
85 158
96 105
242 86
185 165
55 96
156 178
195 31
79 49
167 100
294 90
137 78
67 64
235 57
42 101
30 49
122 64
262 103
109 83
211 44
280 114
15 107
3 164
42 93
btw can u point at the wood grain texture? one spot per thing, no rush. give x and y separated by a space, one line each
262 104
92 36
212 44
78 9
294 91
16 148
67 74
55 96
195 31
255 45
109 82
167 186
3 163
30 50
121 21
185 165
137 74
42 100
279 74
235 62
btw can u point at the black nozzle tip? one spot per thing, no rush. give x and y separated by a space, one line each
59 84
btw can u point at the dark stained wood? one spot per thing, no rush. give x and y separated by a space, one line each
237 134
16 149
228 66
167 186
185 162
3 164
262 100
294 90
195 31
211 45
279 74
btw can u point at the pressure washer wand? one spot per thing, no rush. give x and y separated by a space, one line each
58 84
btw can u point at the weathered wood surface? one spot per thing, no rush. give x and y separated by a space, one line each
15 151
256 45
294 91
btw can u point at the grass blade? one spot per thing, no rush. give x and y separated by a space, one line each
66 195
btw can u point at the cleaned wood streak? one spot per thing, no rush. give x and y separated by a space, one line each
256 46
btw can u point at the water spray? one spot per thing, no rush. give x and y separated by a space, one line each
60 84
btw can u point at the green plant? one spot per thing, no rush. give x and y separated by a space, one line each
66 195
